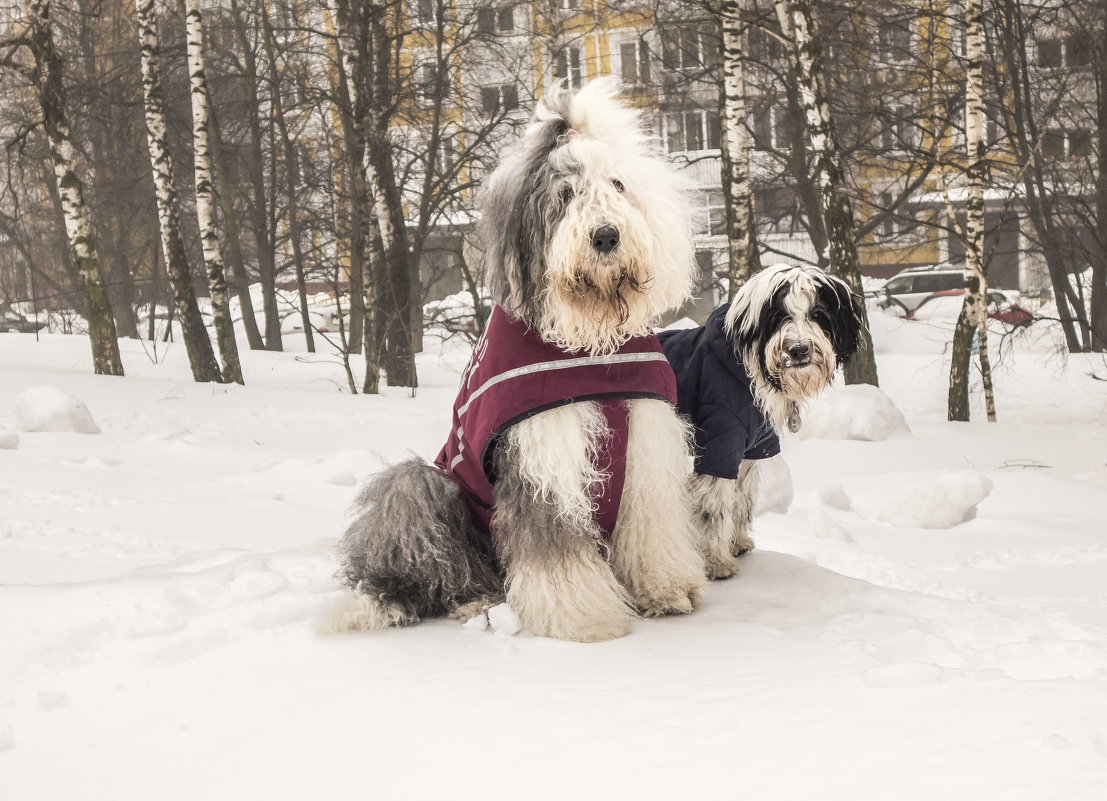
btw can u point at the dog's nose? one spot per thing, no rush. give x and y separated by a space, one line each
799 352
605 239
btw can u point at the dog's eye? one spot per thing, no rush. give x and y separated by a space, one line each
615 182
566 195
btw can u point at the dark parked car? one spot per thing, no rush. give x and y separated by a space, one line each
12 322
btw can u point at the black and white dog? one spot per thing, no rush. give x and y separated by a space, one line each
746 375
565 476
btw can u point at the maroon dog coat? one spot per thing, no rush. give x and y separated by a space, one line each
513 375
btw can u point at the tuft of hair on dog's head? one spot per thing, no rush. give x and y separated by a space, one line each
791 327
586 226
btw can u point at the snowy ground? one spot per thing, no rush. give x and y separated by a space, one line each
159 582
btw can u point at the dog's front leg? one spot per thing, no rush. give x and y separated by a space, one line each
722 509
654 546
558 581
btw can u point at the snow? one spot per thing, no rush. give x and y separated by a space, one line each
52 409
160 585
857 411
941 501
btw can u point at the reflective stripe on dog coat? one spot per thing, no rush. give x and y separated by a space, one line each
513 375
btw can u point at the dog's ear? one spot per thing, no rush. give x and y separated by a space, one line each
520 207
843 317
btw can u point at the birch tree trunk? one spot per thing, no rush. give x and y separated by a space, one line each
269 41
205 201
798 23
238 276
353 104
201 357
1026 138
259 221
393 282
737 190
47 77
1099 265
973 319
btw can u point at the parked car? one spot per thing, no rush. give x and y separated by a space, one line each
12 322
947 305
323 321
905 291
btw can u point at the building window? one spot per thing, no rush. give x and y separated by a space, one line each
898 132
634 58
505 19
689 49
711 220
495 99
771 129
764 47
426 78
1075 50
568 67
446 158
893 40
422 13
1061 143
568 5
691 131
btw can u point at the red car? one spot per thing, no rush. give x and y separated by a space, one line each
947 304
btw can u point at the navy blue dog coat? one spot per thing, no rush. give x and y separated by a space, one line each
714 393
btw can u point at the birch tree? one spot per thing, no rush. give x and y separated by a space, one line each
46 75
973 319
201 357
797 21
269 43
205 201
737 190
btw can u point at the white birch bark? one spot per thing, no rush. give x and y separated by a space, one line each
974 317
205 200
47 77
737 190
200 354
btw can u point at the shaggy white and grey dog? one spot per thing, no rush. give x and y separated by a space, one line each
743 377
588 240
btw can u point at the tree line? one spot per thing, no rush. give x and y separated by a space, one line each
342 144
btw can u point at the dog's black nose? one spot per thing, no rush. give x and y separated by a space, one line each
799 352
605 239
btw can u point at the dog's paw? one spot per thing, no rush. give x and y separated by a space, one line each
583 628
742 545
479 606
675 599
355 611
720 566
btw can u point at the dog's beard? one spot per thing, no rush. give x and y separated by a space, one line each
800 380
597 304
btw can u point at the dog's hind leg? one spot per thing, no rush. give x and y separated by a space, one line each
558 581
409 552
654 545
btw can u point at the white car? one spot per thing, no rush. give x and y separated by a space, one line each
905 291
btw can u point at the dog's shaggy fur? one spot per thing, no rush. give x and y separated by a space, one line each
587 241
790 328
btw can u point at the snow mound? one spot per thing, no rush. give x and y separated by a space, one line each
503 620
774 489
52 409
9 440
857 411
942 501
